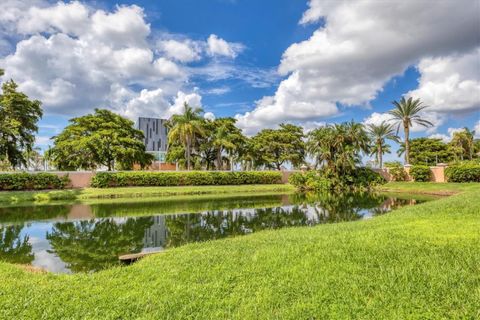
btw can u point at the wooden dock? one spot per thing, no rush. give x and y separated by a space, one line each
132 257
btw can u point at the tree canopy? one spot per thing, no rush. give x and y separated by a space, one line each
378 134
463 144
99 139
428 151
406 113
184 128
18 124
275 147
339 146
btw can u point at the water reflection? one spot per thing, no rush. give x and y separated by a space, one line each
95 244
83 238
14 247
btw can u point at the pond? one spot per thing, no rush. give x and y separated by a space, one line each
71 238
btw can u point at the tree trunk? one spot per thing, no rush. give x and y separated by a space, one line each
407 144
219 159
379 156
188 153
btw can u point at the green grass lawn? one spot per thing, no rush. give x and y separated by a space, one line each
81 195
419 262
429 187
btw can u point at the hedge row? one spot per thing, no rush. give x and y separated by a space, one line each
421 173
192 178
31 181
468 172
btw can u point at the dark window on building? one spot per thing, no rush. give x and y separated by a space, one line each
157 126
159 144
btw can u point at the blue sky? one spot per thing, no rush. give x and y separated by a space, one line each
262 62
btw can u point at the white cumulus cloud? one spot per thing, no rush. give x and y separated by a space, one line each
75 57
220 47
359 46
450 83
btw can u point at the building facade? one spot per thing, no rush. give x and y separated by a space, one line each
155 133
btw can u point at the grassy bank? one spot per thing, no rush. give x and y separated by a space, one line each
418 262
428 187
9 197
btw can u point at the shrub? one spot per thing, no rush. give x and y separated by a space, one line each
421 173
191 178
366 178
466 172
32 181
396 171
310 180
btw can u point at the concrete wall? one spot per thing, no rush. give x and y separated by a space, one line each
78 179
158 166
286 175
438 173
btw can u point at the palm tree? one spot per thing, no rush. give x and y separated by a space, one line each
222 140
338 146
184 128
378 134
464 142
406 113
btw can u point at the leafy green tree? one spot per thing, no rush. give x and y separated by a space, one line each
378 134
34 160
184 128
99 139
476 148
427 151
18 124
227 138
405 114
463 144
275 147
247 156
338 146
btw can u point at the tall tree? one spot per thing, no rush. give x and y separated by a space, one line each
338 146
184 127
427 151
405 114
378 134
463 143
99 139
226 138
18 124
275 147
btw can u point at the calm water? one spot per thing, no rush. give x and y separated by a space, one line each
87 238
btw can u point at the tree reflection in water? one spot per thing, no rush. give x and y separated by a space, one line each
96 244
13 247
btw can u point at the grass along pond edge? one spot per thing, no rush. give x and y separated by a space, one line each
400 265
15 197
